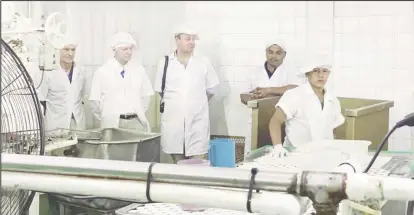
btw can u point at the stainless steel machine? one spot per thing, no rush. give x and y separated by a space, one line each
107 144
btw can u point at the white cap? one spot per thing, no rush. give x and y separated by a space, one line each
184 29
70 39
281 42
321 61
123 39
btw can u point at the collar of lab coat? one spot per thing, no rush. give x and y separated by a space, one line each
118 67
328 95
174 56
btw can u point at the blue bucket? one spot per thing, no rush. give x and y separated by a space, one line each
222 153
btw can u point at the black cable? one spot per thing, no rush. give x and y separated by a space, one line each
149 178
380 148
252 183
346 163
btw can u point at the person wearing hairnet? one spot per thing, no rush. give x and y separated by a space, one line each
274 78
61 92
310 111
189 84
120 89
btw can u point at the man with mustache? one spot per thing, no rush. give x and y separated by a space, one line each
273 79
121 89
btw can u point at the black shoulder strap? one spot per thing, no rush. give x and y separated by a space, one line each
164 74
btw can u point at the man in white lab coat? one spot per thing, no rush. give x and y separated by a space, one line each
309 111
275 77
189 84
62 91
120 89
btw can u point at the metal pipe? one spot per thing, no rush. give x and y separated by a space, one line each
165 173
266 203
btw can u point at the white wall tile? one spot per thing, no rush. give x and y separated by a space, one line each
404 59
404 41
404 23
349 59
240 73
385 24
287 25
350 25
386 41
320 24
350 42
367 24
347 8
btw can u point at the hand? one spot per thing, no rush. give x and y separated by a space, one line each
279 151
259 92
245 97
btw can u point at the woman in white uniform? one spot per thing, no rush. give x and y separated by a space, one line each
276 77
310 112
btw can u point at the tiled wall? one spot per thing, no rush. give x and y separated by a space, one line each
374 57
372 44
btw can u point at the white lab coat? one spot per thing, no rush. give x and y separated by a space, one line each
306 121
63 98
186 112
111 95
284 75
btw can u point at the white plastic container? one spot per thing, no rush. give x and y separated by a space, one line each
354 148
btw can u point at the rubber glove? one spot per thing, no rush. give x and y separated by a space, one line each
279 151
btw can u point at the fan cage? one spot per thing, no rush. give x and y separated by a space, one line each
21 125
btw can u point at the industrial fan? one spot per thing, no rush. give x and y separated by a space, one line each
21 124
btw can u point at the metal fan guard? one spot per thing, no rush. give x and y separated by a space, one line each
21 124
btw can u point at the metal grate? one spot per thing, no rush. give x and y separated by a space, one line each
175 209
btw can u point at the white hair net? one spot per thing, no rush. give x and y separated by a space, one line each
319 61
123 39
280 41
70 39
185 29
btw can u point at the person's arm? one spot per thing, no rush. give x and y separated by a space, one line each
260 92
212 80
146 90
84 83
286 109
277 91
42 91
275 126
